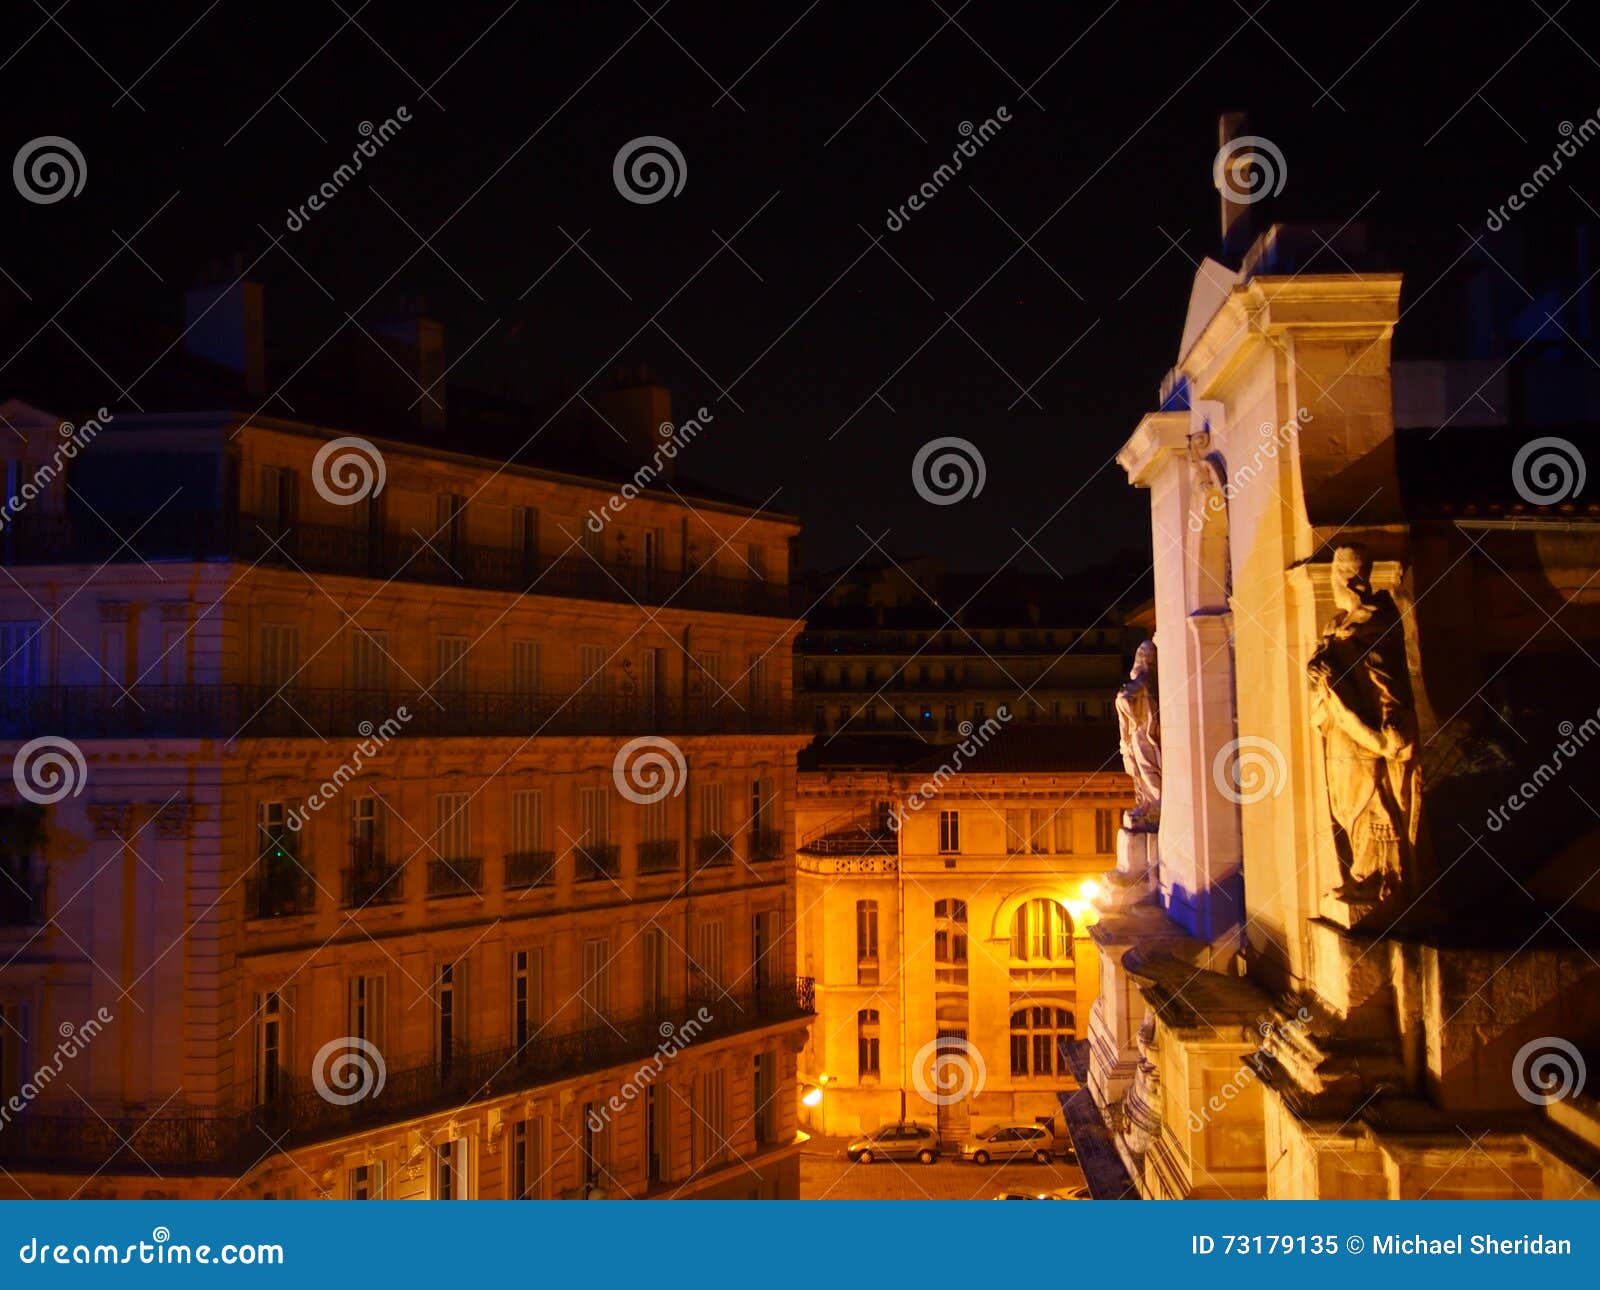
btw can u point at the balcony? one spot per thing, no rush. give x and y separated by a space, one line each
372 880
658 857
597 861
462 876
279 888
530 869
228 1142
713 851
765 844
333 549
261 711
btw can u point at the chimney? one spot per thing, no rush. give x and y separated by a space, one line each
1231 171
418 343
224 324
637 406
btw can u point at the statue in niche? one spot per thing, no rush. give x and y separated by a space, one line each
1139 731
1362 706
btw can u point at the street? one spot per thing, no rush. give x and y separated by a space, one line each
825 1174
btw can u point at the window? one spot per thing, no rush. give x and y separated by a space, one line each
525 536
14 1065
653 953
450 665
366 1182
708 677
949 716
527 1160
756 558
525 668
1105 831
866 942
595 990
452 832
710 1117
275 499
658 1133
369 659
527 820
450 1170
527 995
1039 1039
711 820
1041 932
592 675
366 1007
980 713
756 679
709 962
867 1043
595 806
1028 831
279 655
596 1146
654 545
449 518
764 1093
1064 840
950 941
950 832
271 1049
448 1015
19 655
765 957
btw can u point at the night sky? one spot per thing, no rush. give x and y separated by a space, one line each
828 361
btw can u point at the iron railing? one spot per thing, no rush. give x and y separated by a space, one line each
713 850
462 876
530 869
408 557
373 881
765 844
596 861
279 891
660 856
105 1140
265 711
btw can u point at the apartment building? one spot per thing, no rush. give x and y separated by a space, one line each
419 824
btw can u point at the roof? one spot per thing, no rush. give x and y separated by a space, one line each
1015 749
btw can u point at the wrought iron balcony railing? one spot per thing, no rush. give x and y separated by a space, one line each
764 844
713 850
462 876
658 857
264 711
530 869
279 890
226 1142
373 881
321 548
597 860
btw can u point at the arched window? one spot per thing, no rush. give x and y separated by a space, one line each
1041 932
867 1042
950 942
1039 1038
866 942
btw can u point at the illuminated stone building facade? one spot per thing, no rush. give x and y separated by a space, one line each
944 914
1324 970
349 801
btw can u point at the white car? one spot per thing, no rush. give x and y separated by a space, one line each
1010 1142
1060 1193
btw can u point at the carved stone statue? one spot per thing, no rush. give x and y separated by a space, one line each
1139 729
1362 706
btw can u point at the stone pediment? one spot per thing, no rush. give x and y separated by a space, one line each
1213 282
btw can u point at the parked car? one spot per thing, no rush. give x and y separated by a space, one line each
1060 1193
1010 1142
904 1141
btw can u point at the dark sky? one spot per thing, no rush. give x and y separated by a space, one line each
828 361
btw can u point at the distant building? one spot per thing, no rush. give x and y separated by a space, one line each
945 909
347 894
